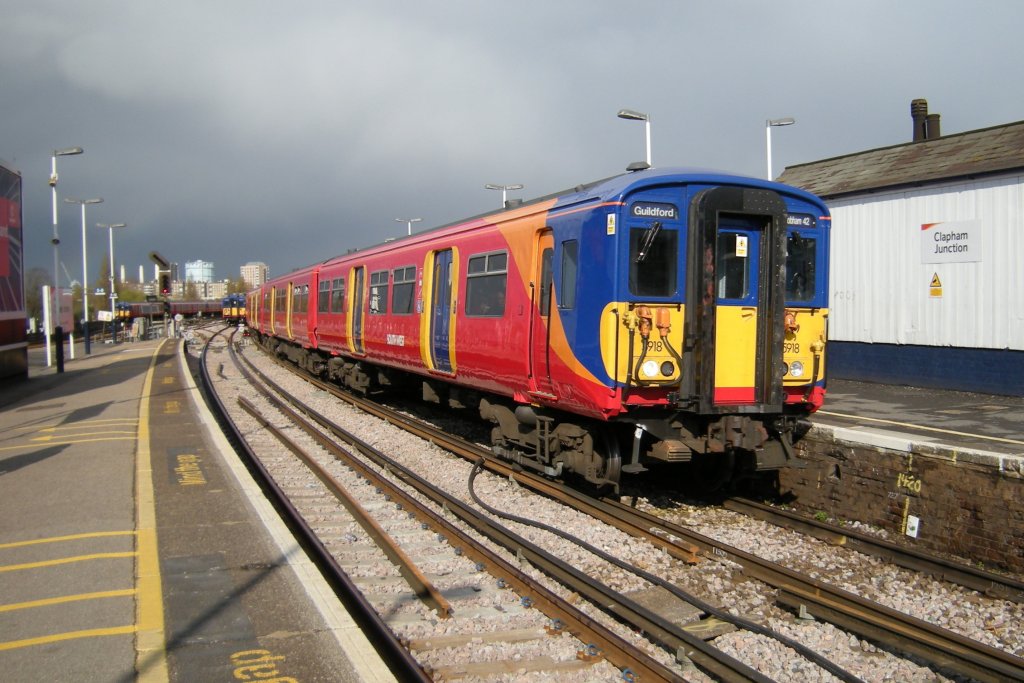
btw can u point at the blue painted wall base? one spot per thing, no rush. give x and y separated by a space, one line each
988 371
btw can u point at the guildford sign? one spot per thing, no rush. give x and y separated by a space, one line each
951 242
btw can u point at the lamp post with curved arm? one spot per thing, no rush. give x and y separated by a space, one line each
768 125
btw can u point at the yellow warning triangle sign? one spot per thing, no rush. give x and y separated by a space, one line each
935 281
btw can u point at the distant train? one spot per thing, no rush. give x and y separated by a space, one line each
158 309
657 317
233 308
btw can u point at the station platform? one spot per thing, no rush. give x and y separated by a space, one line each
135 546
904 417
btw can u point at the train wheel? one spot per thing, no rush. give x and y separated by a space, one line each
710 472
608 452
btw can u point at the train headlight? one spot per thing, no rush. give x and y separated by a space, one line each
650 368
667 368
796 369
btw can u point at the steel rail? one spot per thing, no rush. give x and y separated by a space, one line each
397 658
943 648
423 587
986 582
675 638
551 604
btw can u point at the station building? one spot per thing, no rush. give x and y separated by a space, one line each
927 258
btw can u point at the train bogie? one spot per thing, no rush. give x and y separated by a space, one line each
649 318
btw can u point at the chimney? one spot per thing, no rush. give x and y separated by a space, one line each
932 126
919 112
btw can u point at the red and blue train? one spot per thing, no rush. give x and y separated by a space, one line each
656 317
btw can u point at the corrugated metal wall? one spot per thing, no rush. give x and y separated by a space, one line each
880 289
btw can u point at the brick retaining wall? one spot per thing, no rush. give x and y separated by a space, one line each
970 504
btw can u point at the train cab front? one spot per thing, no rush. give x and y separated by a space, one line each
719 346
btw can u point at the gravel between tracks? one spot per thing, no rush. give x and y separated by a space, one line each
995 622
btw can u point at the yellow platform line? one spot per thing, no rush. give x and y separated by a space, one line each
45 441
66 560
65 599
62 539
68 635
79 423
150 644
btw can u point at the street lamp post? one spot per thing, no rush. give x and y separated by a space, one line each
631 115
409 222
85 272
504 190
768 125
55 241
113 292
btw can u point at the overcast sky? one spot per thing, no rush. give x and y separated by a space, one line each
235 131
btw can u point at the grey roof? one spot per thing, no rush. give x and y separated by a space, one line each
998 149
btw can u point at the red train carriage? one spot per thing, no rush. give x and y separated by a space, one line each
656 317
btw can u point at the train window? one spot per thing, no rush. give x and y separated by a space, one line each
545 282
570 273
338 295
401 295
280 299
485 285
323 296
379 292
655 271
800 262
300 298
731 268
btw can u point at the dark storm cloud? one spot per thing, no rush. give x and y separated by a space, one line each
237 131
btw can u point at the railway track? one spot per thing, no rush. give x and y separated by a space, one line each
478 609
945 650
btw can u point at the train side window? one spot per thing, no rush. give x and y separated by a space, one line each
570 273
655 272
401 295
338 295
545 282
379 292
731 269
323 296
300 298
800 264
486 276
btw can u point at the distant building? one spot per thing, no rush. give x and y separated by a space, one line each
926 281
255 273
198 271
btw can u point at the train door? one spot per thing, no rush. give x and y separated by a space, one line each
738 304
440 312
735 308
292 292
358 294
273 310
540 330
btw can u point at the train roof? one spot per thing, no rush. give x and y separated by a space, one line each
612 188
608 189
